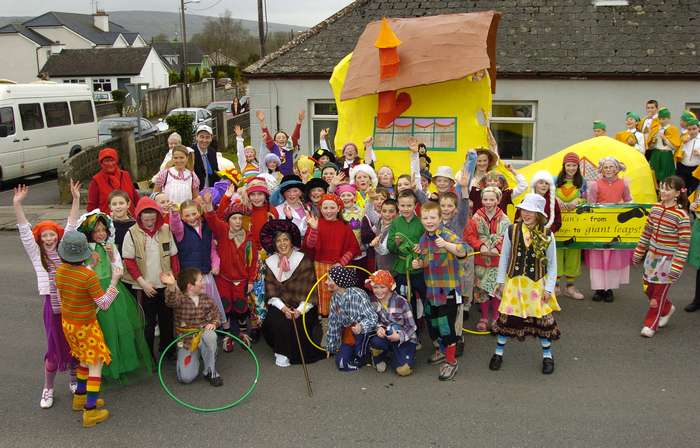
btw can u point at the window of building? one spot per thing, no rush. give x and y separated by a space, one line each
438 133
694 108
513 127
324 115
103 84
74 81
7 120
31 116
82 112
122 82
56 114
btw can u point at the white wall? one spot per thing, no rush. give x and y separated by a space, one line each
120 42
71 40
22 66
139 42
154 72
566 109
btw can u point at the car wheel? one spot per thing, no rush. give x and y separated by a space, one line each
74 150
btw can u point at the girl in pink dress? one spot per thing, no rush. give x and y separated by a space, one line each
608 268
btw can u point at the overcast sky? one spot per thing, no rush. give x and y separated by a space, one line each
294 12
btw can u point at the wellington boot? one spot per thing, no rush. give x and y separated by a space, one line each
94 416
403 370
79 402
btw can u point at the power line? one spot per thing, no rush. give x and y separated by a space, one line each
208 7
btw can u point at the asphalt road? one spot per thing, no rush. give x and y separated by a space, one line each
42 190
611 388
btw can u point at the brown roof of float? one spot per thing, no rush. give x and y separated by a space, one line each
433 49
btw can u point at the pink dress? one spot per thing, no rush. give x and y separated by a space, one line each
608 268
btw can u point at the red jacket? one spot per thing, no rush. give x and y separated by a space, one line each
237 262
101 186
333 242
476 240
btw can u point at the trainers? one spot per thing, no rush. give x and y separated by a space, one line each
663 320
227 344
46 398
281 360
380 366
215 381
574 293
447 371
648 332
495 363
404 370
547 366
436 358
91 417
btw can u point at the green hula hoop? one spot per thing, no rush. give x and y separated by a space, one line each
308 296
197 408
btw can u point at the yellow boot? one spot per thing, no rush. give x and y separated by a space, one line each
404 370
79 402
94 416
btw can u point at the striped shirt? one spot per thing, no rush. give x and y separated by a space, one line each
666 233
80 291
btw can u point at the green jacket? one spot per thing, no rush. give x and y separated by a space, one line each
413 230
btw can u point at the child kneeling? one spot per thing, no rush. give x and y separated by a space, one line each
396 339
194 311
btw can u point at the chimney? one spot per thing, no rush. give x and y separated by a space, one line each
101 20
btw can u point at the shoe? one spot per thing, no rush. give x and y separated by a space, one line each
692 307
436 358
227 344
281 360
80 400
91 417
609 297
482 325
547 366
663 320
648 332
574 293
460 349
448 371
598 296
73 386
215 381
46 398
380 366
404 370
495 363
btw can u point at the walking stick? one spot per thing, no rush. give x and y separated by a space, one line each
301 355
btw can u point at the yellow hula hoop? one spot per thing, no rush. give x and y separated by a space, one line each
475 332
308 296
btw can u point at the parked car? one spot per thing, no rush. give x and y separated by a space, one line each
43 124
223 82
199 116
102 97
104 127
217 104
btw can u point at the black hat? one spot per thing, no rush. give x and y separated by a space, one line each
316 182
320 152
272 228
291 181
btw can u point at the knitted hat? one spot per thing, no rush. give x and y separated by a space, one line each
446 172
532 202
257 184
43 226
237 208
571 157
599 125
108 152
546 176
692 121
272 228
74 247
364 168
687 116
343 277
343 188
329 165
497 191
664 113
383 278
632 115
331 197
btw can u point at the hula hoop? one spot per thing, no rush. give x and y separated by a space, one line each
308 296
197 408
475 332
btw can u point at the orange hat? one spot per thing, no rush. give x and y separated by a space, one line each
331 197
383 278
43 226
108 152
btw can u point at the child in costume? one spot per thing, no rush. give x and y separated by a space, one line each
542 183
688 156
569 193
364 179
385 177
247 161
280 144
440 250
351 322
194 311
353 214
329 241
495 179
313 191
149 249
650 126
288 200
631 135
667 142
81 295
41 244
663 247
395 341
197 249
486 161
272 166
238 266
485 233
121 219
122 324
608 268
383 258
599 129
527 273
694 251
178 180
329 171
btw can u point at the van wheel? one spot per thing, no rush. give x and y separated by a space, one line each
74 150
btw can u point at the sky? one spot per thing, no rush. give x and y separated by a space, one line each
294 12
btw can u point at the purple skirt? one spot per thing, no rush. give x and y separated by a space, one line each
57 350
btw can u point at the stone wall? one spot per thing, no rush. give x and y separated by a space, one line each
158 102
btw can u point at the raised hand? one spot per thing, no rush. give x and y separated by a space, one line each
312 220
207 198
338 178
288 211
167 278
260 115
368 141
21 192
301 116
238 130
413 144
75 189
229 191
323 134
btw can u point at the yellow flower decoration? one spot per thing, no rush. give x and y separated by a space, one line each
92 341
82 346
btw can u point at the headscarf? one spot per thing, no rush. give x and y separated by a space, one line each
343 277
331 197
383 278
114 177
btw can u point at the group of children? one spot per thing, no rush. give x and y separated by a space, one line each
252 244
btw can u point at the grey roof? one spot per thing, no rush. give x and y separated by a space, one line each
97 62
549 38
26 32
82 24
130 37
194 53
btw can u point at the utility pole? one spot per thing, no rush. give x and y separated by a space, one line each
261 28
184 53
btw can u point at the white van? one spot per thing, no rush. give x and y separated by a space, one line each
42 124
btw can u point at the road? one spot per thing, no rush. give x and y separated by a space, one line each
42 190
611 387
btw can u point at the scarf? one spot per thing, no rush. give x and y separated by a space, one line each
283 263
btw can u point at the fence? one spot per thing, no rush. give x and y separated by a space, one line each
110 109
158 102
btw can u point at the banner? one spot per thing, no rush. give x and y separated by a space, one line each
612 226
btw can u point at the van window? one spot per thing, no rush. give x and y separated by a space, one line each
82 112
7 119
56 114
31 116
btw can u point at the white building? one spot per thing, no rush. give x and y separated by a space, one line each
32 42
561 64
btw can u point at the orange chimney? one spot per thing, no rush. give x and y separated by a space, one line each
387 42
